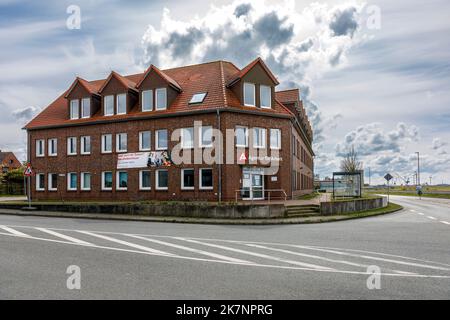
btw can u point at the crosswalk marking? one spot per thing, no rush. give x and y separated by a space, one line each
260 255
308 255
206 253
13 231
126 243
430 217
420 213
373 258
63 236
445 222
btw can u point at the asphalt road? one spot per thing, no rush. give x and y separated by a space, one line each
141 260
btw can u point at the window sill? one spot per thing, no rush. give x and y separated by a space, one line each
107 190
86 190
145 189
162 189
187 189
206 188
106 152
85 154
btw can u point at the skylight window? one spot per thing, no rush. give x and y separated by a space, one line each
198 98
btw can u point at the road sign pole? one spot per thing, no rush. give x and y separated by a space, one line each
388 191
29 192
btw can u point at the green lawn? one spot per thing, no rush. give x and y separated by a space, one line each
413 194
308 196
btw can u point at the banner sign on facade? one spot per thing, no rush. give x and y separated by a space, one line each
143 160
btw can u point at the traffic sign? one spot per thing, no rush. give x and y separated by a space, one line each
28 171
388 177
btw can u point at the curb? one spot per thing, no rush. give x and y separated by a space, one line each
322 219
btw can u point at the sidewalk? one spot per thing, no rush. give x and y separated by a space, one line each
323 197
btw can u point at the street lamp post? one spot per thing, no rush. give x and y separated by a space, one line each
418 169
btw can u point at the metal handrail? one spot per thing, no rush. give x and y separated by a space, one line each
265 190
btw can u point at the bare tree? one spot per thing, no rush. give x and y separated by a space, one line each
350 163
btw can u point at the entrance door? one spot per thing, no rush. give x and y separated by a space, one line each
252 184
257 190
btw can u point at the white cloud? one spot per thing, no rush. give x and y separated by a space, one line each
372 138
298 46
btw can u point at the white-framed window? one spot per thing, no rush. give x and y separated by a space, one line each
275 139
121 142
161 139
72 145
85 181
241 136
161 98
74 109
121 103
249 94
147 100
106 143
144 180
187 179
265 96
107 180
52 182
187 138
86 108
40 182
109 105
121 180
206 136
145 140
162 179
259 137
53 147
40 148
206 178
85 145
72 181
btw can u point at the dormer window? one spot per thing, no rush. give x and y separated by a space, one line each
74 108
249 94
198 98
161 99
265 97
86 108
122 103
109 105
147 100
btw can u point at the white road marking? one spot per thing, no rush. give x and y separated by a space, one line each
243 242
206 253
307 255
63 236
13 231
445 222
430 217
412 210
125 243
374 258
422 214
244 264
260 255
226 262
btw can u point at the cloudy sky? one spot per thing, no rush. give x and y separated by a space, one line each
375 76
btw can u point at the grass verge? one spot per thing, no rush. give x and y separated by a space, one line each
413 194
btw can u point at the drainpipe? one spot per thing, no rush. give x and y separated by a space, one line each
28 161
219 195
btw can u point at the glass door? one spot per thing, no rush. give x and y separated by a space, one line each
257 191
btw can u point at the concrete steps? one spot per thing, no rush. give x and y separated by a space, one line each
302 210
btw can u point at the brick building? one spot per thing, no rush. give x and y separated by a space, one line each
8 161
121 138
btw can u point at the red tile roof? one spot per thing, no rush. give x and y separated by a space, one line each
210 77
125 81
168 79
238 75
288 96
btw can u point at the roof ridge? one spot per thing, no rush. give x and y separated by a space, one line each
222 78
